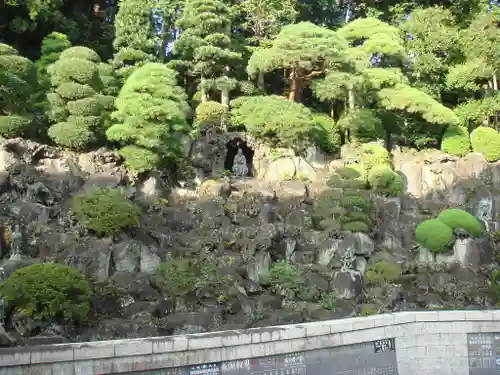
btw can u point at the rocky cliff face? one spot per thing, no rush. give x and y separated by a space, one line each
245 226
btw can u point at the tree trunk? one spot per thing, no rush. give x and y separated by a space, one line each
352 102
204 94
295 87
224 97
164 42
260 81
495 82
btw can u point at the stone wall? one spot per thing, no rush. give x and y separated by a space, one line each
426 343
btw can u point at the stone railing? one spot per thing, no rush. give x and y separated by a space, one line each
408 343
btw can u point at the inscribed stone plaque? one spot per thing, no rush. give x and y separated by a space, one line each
369 358
484 353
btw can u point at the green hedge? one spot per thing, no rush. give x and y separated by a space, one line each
487 142
434 235
460 219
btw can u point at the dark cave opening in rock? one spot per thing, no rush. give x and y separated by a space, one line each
232 149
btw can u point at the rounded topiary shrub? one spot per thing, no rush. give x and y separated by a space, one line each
456 141
106 211
45 291
74 91
14 126
75 109
434 235
461 220
487 142
73 70
70 135
385 181
210 114
17 86
80 52
373 155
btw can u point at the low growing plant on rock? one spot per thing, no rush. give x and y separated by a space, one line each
345 207
177 277
461 220
182 277
384 181
383 272
45 291
434 235
106 211
285 279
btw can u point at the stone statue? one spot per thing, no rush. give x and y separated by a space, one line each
17 242
483 211
240 167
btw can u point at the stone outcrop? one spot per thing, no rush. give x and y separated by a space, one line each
247 226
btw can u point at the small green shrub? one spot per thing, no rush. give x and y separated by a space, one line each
382 272
70 135
328 301
460 219
177 277
351 176
45 291
187 276
325 133
364 125
456 141
373 155
385 181
210 114
487 142
346 210
14 126
434 235
285 278
106 211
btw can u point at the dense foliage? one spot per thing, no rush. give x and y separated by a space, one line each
422 75
106 211
151 117
48 291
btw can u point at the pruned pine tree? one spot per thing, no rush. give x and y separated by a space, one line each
135 40
150 118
